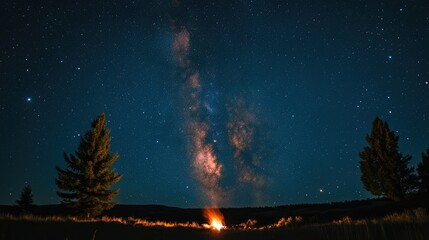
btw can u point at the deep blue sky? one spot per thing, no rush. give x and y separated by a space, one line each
314 74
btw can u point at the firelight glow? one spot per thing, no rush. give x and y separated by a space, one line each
216 224
215 218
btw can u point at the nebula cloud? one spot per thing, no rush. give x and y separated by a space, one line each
248 152
242 129
206 167
180 48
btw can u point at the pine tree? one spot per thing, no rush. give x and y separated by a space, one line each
423 172
87 179
385 170
25 201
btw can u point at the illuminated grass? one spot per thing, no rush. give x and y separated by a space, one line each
409 224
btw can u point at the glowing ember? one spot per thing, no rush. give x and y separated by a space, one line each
216 224
215 218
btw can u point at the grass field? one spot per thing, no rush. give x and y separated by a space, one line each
409 224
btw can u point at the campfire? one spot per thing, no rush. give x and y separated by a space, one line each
215 219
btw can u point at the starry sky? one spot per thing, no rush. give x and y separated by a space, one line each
276 95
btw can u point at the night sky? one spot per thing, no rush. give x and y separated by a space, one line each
276 96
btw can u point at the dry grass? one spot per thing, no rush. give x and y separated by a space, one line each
418 215
249 225
409 224
409 216
32 218
145 223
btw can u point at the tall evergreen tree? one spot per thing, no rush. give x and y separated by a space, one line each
25 201
87 179
423 172
385 170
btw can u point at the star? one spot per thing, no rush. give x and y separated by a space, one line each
29 99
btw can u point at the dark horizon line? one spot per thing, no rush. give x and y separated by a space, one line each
235 207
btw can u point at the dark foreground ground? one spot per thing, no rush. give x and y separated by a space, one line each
316 223
74 230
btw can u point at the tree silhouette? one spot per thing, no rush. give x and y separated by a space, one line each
87 179
385 171
25 201
423 172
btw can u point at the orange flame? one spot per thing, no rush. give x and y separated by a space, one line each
215 218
